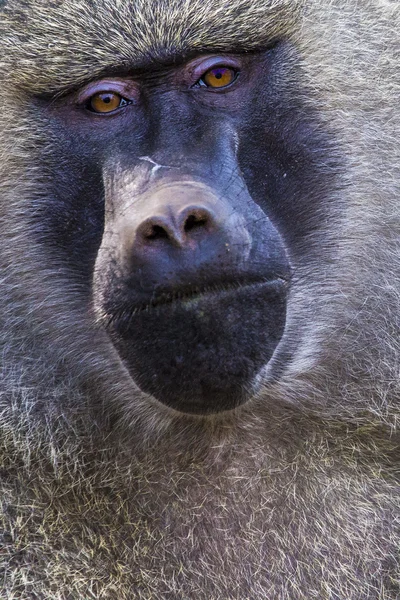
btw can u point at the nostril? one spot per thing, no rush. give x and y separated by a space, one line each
155 232
194 221
196 218
153 229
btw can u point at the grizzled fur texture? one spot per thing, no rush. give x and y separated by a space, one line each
104 492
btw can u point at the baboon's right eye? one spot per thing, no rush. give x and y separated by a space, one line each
106 102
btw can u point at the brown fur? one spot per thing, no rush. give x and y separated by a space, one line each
293 496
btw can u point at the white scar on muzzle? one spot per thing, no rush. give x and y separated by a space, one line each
156 165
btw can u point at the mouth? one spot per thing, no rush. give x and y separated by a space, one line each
199 349
122 313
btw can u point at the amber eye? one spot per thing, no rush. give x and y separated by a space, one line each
219 77
106 102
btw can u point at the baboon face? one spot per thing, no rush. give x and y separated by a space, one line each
205 168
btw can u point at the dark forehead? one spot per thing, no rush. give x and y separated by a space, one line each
65 41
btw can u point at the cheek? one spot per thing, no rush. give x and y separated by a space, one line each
69 217
290 170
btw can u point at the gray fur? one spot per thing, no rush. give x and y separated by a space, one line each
293 496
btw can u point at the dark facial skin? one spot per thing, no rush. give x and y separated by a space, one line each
191 255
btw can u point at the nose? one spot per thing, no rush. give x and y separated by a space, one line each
176 225
180 234
182 221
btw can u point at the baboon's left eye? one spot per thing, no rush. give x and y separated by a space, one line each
106 102
218 77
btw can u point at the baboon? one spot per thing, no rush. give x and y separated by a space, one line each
200 299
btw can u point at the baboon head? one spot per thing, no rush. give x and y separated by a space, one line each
199 168
192 267
185 193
